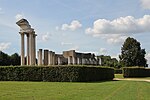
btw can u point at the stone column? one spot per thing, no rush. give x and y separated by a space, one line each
50 59
59 60
83 61
74 60
22 49
53 58
31 48
28 58
34 49
69 60
45 57
78 61
40 57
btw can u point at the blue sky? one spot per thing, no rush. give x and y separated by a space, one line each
97 26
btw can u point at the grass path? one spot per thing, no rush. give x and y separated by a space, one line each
112 90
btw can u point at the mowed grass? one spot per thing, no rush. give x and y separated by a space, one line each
111 90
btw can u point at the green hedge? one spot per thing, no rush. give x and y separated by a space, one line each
56 74
136 72
118 71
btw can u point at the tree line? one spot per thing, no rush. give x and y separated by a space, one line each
7 60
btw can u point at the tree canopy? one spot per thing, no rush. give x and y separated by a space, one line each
132 54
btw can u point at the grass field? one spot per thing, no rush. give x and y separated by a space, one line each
111 90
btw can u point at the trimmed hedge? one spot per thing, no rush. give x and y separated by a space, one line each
136 72
118 71
56 74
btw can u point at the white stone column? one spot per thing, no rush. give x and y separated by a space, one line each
69 60
22 49
50 59
28 58
74 60
40 57
34 48
79 61
31 48
59 60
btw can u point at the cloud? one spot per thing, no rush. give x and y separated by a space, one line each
103 51
145 4
46 36
147 56
115 38
75 24
122 25
117 30
19 16
4 46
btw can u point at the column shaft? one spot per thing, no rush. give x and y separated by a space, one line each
28 58
40 57
22 49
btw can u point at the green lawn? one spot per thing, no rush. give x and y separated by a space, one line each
112 90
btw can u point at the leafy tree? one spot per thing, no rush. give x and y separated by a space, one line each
15 59
4 59
132 54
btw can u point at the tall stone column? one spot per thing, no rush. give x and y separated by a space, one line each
45 57
31 48
34 49
40 57
28 58
22 49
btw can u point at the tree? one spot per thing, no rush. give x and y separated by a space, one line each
15 59
132 54
4 59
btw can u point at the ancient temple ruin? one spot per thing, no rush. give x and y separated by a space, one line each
46 57
25 29
71 57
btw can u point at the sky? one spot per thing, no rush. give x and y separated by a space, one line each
95 26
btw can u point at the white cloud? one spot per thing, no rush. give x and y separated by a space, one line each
75 24
147 56
117 30
115 38
145 4
19 16
57 28
103 51
4 46
122 25
46 36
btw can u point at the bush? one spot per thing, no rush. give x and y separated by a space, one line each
118 71
56 74
136 72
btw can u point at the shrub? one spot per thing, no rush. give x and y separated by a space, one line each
136 72
56 74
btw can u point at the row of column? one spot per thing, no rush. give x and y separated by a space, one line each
49 57
83 61
31 48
